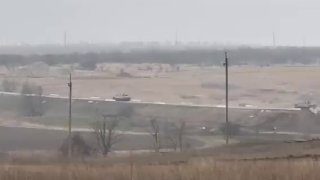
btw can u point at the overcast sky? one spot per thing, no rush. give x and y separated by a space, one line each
100 21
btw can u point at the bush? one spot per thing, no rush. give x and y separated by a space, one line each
79 147
31 101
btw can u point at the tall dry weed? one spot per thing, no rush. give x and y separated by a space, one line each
230 170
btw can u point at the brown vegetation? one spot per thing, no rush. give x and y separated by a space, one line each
174 166
273 170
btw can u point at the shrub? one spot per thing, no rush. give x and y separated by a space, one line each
79 147
31 100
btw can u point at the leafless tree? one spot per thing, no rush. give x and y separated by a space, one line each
170 135
155 132
172 140
182 129
106 135
181 133
175 134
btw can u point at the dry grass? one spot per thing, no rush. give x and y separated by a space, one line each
261 86
228 163
200 170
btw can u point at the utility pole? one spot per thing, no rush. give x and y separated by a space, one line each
176 42
70 117
274 39
226 64
65 39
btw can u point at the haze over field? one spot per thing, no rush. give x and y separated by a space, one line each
100 21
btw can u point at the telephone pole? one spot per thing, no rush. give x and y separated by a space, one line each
70 117
274 40
65 39
226 64
176 41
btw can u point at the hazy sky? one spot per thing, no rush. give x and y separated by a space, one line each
221 21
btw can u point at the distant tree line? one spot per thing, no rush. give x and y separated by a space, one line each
240 56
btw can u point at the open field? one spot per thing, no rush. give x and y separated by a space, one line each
139 114
136 117
30 137
28 140
264 87
274 86
250 86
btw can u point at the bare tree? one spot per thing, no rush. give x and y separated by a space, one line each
181 133
155 132
170 135
175 132
173 141
106 135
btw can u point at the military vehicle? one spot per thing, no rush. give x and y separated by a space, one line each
122 97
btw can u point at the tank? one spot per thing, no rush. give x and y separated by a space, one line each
122 97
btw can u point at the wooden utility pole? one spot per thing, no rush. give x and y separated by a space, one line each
227 98
70 117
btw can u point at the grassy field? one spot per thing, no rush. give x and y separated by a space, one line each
22 139
257 156
275 86
138 115
261 86
137 120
